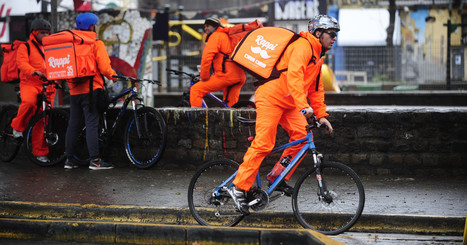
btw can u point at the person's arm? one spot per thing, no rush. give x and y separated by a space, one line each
103 61
209 52
22 60
317 98
300 55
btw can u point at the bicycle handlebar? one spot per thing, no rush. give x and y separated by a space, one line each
138 80
50 82
313 122
194 77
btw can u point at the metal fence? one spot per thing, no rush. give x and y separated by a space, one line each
424 65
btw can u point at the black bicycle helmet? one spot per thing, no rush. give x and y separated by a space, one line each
40 24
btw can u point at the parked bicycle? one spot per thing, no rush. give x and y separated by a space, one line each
194 78
52 121
329 197
145 133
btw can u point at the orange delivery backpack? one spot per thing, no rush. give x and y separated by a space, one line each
260 50
70 54
9 70
236 33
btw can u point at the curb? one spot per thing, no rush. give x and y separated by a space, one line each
139 233
405 224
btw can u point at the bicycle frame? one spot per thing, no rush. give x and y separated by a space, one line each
308 145
132 97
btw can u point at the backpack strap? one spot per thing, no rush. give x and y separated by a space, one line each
29 48
276 73
38 49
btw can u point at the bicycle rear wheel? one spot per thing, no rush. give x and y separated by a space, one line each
9 146
146 149
340 210
54 131
206 208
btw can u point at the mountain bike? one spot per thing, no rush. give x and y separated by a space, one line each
185 101
145 133
51 121
329 197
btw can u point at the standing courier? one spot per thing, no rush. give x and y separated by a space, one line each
30 60
81 103
284 101
227 75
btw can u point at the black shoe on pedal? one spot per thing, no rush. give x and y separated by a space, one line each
284 187
239 198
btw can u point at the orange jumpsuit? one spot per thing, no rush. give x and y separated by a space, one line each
30 87
280 102
230 81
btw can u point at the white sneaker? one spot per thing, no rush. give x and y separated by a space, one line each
43 158
17 134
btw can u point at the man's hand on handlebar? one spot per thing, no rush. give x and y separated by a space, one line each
327 124
39 74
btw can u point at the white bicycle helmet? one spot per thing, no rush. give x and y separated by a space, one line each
323 22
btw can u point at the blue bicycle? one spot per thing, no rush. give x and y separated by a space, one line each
185 101
329 197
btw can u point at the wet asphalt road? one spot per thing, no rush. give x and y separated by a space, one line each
166 186
163 186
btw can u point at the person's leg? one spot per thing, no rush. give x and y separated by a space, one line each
232 92
267 119
294 123
74 125
27 107
91 118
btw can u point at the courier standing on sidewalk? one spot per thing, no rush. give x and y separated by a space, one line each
227 75
30 60
81 103
296 95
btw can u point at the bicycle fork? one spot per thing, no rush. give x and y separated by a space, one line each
137 121
323 193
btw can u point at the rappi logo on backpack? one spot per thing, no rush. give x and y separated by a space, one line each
54 62
60 62
262 50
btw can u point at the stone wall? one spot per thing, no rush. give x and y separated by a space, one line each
372 140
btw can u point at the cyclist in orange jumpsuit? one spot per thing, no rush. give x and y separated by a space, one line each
284 101
227 75
32 66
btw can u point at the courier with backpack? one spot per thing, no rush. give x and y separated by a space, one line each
91 63
226 75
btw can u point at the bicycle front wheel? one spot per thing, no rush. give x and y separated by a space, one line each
146 148
9 146
207 208
333 213
49 129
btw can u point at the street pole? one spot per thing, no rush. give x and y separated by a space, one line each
53 15
448 60
180 59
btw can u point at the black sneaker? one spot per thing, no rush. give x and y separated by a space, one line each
284 187
99 164
240 200
70 165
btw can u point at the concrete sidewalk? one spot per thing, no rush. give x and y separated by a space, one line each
402 204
